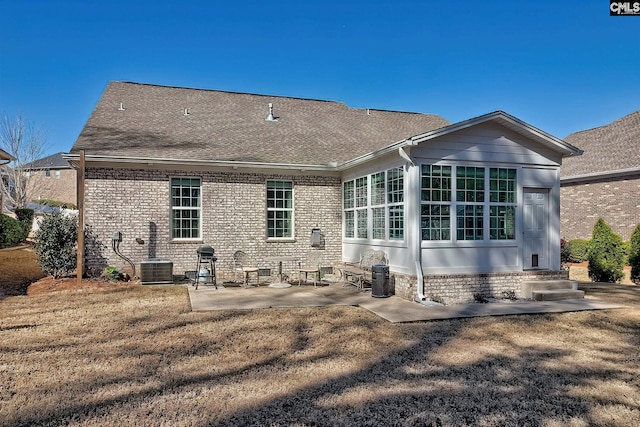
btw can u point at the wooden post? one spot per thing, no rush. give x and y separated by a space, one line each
80 200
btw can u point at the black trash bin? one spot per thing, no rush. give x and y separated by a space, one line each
380 281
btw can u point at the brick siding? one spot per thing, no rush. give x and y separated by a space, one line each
136 203
461 288
617 201
61 189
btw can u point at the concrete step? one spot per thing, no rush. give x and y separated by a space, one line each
557 294
546 285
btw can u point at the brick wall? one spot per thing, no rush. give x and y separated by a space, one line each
461 288
615 200
136 203
59 186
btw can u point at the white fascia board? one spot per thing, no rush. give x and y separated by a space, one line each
393 148
510 122
74 158
599 175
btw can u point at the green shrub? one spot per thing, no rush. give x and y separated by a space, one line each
55 203
626 250
605 254
577 250
634 255
11 231
25 215
112 275
56 244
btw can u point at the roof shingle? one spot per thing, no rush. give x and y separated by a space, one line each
229 126
606 148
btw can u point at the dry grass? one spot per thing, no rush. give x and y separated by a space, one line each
18 268
136 355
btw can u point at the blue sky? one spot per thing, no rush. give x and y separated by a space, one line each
562 66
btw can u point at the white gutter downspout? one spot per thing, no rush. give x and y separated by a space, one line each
416 247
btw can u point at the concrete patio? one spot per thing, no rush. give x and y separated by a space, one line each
392 309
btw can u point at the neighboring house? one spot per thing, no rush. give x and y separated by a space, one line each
604 182
5 159
459 208
51 178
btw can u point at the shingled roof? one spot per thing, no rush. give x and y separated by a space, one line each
609 148
145 121
54 161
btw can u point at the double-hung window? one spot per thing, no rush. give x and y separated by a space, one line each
395 203
470 203
435 215
279 209
502 208
186 208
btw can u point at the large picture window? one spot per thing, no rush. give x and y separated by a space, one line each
482 207
279 209
186 202
373 206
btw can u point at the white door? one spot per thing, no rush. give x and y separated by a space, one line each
536 229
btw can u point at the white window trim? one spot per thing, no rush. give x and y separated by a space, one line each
171 209
292 209
369 207
486 241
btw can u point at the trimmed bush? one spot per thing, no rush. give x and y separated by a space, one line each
577 250
25 215
55 203
11 231
634 255
56 244
605 254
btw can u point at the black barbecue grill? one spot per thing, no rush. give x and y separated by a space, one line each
206 268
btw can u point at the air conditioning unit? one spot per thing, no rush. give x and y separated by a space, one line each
156 272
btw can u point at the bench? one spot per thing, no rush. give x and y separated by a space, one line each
359 274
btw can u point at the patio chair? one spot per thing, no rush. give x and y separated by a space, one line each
310 266
241 265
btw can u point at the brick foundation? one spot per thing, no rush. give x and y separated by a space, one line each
461 288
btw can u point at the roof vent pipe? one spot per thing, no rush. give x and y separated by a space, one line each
121 107
270 117
186 112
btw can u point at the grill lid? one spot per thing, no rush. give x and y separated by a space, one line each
205 251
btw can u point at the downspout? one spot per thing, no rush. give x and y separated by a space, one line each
420 285
417 245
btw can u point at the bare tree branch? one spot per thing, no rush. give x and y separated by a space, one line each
26 142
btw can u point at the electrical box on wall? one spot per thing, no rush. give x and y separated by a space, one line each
316 238
117 236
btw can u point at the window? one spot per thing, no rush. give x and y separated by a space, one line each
373 206
435 216
57 174
470 191
47 173
395 202
502 196
436 222
185 208
482 207
470 222
362 201
348 203
279 209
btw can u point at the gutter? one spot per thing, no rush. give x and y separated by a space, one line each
74 158
599 175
